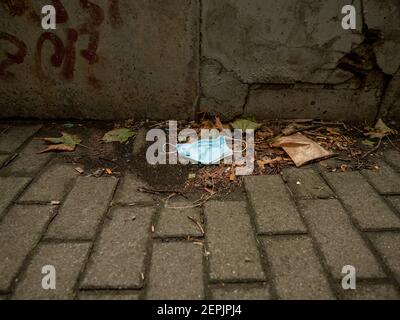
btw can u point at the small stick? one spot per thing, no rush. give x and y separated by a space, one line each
329 123
108 160
373 149
158 191
82 145
195 204
198 225
391 142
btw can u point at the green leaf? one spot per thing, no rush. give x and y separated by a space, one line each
118 135
243 124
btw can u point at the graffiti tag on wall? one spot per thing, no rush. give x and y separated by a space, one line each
64 50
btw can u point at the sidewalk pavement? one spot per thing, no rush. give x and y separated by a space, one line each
288 237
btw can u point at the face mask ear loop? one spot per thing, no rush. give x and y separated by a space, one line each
170 152
241 141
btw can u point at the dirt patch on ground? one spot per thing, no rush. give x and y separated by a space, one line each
355 151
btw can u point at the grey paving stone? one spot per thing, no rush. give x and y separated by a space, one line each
28 162
296 269
51 185
175 222
372 292
176 272
275 210
395 201
20 230
106 295
128 193
388 246
117 261
68 260
83 209
385 180
241 292
365 205
14 137
339 241
306 183
10 188
231 242
392 157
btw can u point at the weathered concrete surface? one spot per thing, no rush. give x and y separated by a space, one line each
391 101
289 59
313 102
223 92
157 59
383 18
106 60
278 41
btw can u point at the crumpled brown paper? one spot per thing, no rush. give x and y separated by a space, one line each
301 149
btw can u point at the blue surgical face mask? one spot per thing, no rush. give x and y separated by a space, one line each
207 151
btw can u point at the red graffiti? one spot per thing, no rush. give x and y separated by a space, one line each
64 55
70 55
62 15
16 58
115 15
58 55
89 28
15 7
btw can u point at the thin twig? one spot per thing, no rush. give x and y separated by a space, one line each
373 149
195 204
393 145
82 145
160 191
198 225
330 123
107 160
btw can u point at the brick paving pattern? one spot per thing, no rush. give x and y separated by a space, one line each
289 238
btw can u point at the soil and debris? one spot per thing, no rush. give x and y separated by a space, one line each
97 148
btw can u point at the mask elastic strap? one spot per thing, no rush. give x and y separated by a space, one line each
239 140
170 152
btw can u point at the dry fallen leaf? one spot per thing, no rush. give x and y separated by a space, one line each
218 124
207 124
58 147
380 131
333 131
66 143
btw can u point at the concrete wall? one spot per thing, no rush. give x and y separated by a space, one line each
173 58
